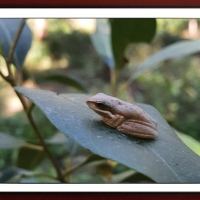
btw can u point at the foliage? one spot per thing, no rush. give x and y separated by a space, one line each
124 32
8 28
87 143
65 112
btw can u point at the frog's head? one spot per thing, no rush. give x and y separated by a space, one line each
101 104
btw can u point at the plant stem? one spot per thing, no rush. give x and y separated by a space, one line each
124 86
46 150
10 79
45 175
14 43
74 168
37 132
30 108
33 146
113 78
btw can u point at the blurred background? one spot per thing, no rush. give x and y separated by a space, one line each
64 46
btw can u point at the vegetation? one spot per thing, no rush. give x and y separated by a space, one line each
149 61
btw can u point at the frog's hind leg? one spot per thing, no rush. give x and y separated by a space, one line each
115 121
138 129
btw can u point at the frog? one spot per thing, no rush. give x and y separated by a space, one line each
123 116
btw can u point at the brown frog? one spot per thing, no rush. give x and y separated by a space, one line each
123 116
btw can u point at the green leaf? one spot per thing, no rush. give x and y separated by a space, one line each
190 142
29 158
177 50
13 174
58 138
66 80
8 30
101 41
130 176
92 158
41 180
137 178
10 142
165 160
126 31
118 178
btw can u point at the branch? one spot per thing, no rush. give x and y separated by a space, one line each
10 79
33 146
46 150
14 43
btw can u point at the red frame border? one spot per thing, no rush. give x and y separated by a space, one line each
100 196
99 3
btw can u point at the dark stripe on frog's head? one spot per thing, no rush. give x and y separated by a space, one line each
106 103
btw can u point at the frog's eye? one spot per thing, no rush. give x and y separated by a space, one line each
101 106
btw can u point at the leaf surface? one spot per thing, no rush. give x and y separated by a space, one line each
8 29
126 31
176 50
66 80
13 174
29 158
190 142
165 160
102 43
58 138
10 142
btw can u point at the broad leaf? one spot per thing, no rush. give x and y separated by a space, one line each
29 158
126 31
102 43
8 29
13 174
40 180
66 80
137 178
130 176
73 148
10 142
190 142
166 159
92 158
119 178
172 51
58 138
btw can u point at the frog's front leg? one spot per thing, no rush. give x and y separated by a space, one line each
114 121
138 129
